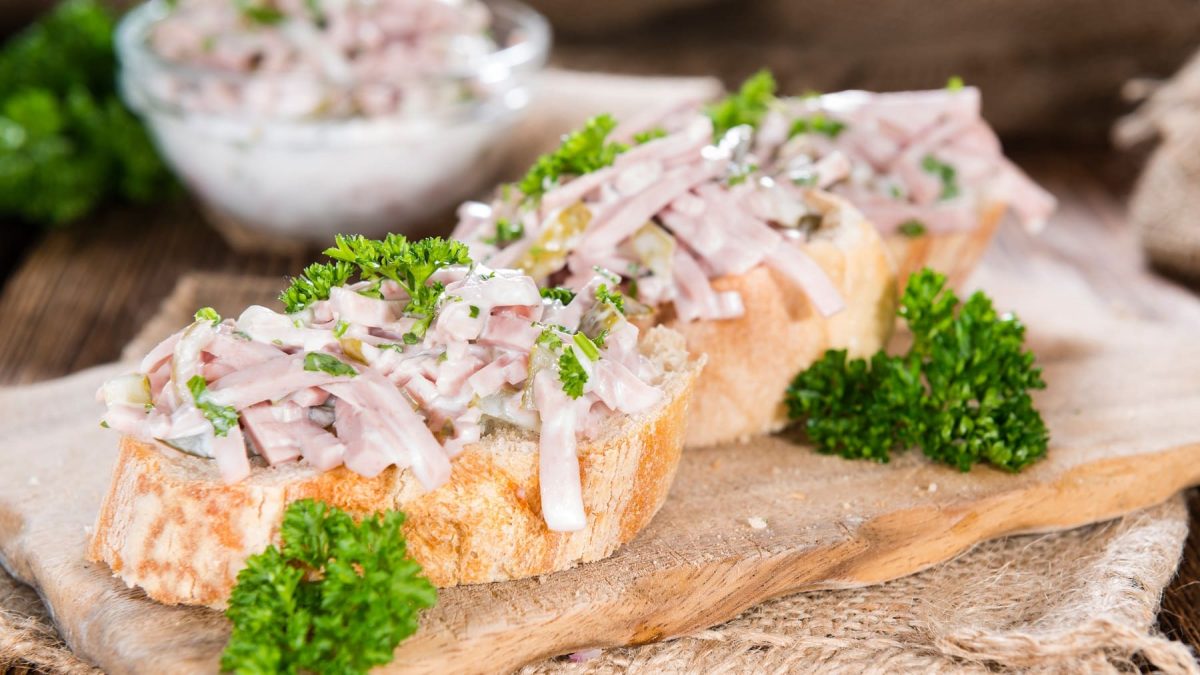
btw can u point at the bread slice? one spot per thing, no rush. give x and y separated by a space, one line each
752 359
954 254
170 526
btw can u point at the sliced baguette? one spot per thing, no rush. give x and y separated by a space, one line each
954 254
169 526
752 359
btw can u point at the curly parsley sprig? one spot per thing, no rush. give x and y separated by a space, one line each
581 152
410 264
961 392
337 598
747 106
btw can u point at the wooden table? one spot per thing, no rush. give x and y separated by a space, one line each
72 298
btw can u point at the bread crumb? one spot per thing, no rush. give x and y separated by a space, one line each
757 522
715 465
932 487
798 496
846 506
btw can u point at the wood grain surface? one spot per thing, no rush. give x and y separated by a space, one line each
77 296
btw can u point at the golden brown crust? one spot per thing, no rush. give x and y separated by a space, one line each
954 254
752 359
168 526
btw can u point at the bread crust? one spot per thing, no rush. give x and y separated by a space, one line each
169 526
752 359
954 254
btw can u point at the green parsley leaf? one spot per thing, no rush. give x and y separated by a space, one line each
506 232
474 312
945 173
208 314
747 106
614 298
260 11
648 135
581 152
911 228
961 392
320 362
338 598
222 417
817 124
314 284
548 338
559 293
955 83
571 373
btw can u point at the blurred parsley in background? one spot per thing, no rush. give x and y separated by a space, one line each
67 143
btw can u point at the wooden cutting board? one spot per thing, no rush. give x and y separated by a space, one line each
744 523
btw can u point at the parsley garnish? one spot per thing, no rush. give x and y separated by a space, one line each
944 173
67 143
747 106
911 228
649 135
340 328
409 264
961 392
818 124
506 232
955 83
223 417
338 598
319 362
559 293
474 312
208 314
314 284
571 373
581 152
614 298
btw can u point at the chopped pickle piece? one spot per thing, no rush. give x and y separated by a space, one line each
655 249
352 347
549 251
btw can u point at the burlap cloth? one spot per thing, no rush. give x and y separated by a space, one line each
1164 204
1079 601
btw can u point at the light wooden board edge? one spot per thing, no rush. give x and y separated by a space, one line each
885 548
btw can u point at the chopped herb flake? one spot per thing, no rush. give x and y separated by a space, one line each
911 228
222 417
208 314
945 173
506 232
559 293
817 124
327 363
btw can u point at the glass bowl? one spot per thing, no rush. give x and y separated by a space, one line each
270 177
